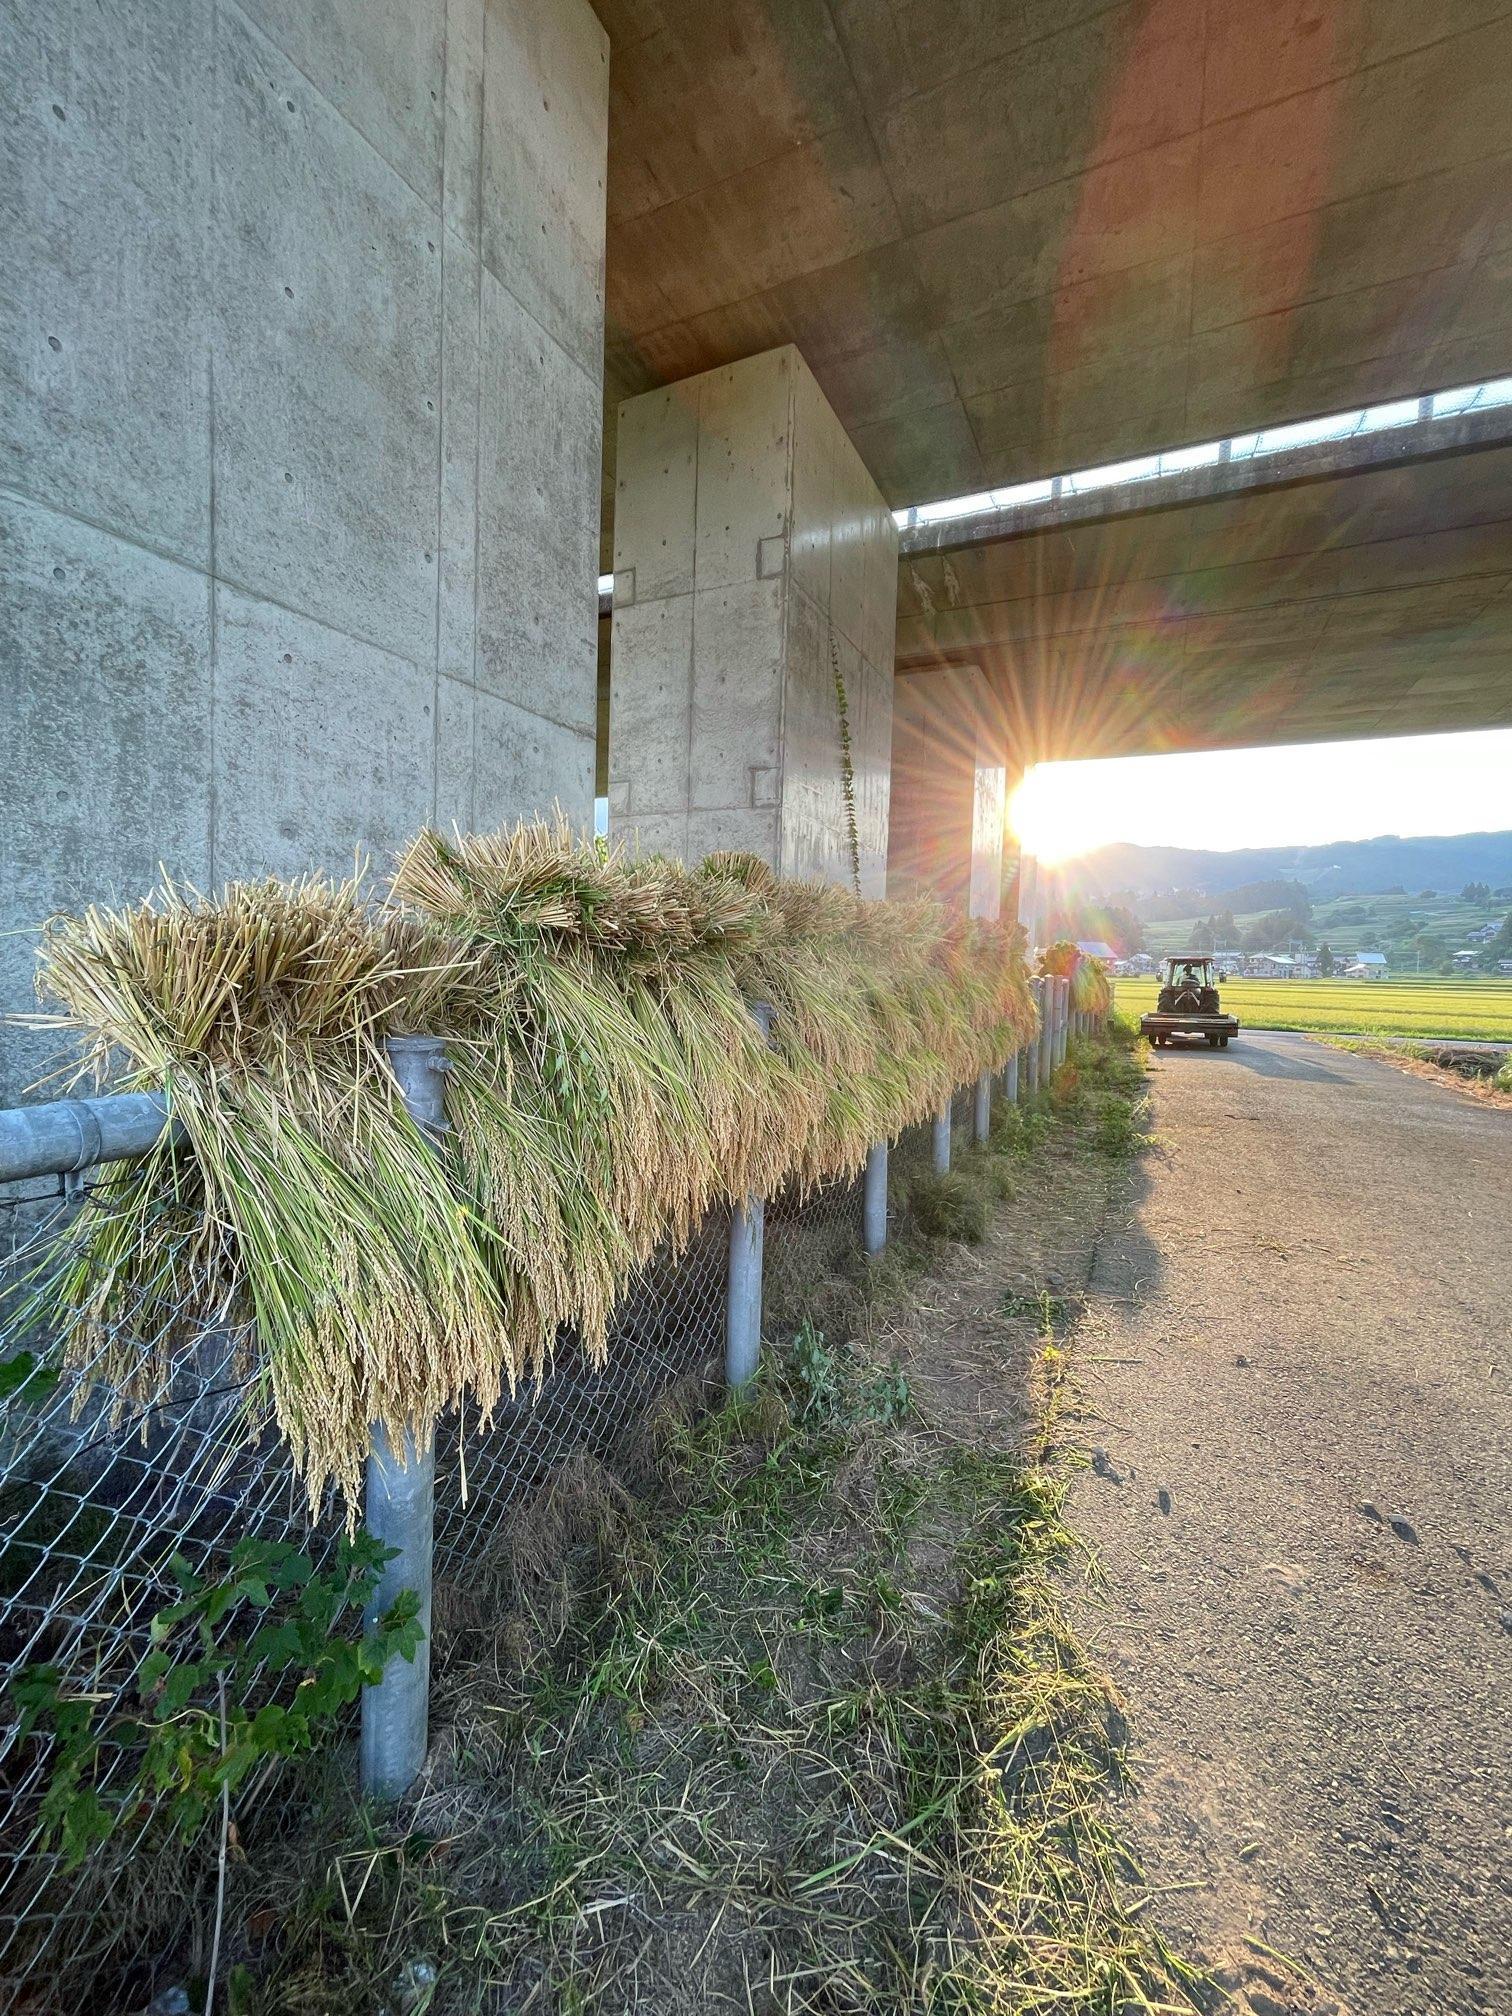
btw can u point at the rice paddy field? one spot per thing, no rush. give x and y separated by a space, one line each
1470 1010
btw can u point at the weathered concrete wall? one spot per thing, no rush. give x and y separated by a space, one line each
949 790
750 541
300 363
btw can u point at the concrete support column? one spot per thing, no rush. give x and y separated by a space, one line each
300 526
874 1202
949 791
1028 898
755 603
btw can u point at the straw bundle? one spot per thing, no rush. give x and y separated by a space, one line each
608 1085
1091 989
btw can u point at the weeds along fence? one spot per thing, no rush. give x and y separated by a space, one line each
178 1618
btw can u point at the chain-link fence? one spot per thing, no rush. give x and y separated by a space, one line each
108 1501
104 1501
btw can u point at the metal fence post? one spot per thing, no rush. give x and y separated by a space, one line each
743 1283
1031 1048
874 1201
1047 1031
1011 1078
400 1506
981 1109
941 1140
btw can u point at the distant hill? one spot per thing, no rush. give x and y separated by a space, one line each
1348 868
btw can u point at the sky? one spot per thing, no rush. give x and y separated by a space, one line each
1306 795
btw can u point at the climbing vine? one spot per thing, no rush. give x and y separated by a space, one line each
847 767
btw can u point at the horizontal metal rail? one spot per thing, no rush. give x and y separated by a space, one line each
66 1135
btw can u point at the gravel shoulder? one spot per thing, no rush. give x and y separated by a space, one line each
1296 1362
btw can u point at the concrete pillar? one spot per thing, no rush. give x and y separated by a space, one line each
949 790
755 566
1028 898
299 529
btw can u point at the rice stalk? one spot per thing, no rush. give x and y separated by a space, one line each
608 1087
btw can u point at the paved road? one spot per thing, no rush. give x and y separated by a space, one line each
1301 1503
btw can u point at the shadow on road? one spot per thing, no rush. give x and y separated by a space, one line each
1259 1060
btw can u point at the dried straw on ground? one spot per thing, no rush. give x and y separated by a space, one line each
608 1086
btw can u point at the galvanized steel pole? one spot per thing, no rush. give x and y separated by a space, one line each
981 1109
400 1508
874 1201
64 1136
941 1139
743 1293
743 1283
1047 1030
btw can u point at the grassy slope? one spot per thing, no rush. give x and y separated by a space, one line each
1475 1009
807 1732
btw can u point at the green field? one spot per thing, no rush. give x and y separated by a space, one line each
1475 1009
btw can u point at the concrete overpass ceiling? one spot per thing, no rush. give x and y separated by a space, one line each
1011 238
1376 603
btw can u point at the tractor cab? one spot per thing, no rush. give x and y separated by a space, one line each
1188 1003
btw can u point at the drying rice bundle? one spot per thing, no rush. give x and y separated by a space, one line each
1091 990
619 1042
608 1085
882 1010
310 1206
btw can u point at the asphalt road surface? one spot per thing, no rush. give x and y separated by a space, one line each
1301 1322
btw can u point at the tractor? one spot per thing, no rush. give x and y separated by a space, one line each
1188 1004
